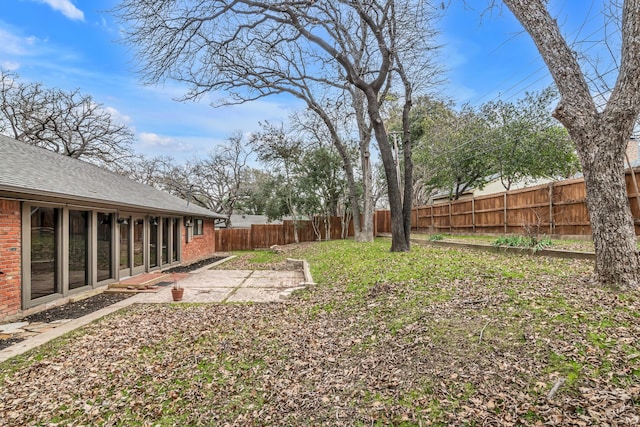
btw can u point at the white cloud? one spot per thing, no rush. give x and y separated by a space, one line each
117 115
153 144
66 7
11 44
9 65
150 139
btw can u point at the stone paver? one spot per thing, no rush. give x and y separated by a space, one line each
11 328
278 274
208 280
255 295
267 282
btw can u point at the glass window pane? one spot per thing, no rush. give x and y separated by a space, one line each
153 242
198 229
78 249
165 240
125 262
44 251
176 240
138 243
105 245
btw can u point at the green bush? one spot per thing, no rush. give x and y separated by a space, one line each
524 242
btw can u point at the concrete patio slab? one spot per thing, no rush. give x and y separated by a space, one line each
278 274
255 295
191 295
266 282
208 280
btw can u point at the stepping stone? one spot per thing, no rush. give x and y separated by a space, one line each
13 328
42 327
29 334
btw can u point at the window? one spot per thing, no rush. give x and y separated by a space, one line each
198 228
78 249
45 252
104 246
175 244
153 242
165 240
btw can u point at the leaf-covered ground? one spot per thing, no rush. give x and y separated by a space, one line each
431 337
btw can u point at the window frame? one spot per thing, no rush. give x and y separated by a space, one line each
198 227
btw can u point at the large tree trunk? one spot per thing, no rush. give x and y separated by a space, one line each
617 262
399 240
365 233
600 136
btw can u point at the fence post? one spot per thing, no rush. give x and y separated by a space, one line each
450 228
551 208
473 214
505 212
375 224
433 226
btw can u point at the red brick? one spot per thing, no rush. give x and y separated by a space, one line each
200 247
10 237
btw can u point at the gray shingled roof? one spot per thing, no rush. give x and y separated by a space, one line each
33 170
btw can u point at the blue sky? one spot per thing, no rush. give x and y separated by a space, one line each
72 44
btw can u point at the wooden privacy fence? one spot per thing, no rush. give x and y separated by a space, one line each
266 235
557 208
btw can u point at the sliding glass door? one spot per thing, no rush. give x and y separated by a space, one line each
45 237
138 243
78 249
104 247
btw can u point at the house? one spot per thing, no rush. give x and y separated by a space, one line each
67 226
492 186
246 220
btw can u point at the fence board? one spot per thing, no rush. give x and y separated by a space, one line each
233 239
261 236
556 208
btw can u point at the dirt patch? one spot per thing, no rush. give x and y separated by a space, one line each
77 309
8 342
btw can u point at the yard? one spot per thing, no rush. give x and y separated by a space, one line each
436 336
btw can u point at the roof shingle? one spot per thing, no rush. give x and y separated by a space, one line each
33 170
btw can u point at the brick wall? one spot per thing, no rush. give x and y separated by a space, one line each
199 247
10 258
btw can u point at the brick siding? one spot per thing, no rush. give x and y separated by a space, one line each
10 258
200 247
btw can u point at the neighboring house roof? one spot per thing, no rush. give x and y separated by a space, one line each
245 221
26 169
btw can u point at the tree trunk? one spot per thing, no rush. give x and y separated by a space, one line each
617 262
346 163
399 242
365 232
600 136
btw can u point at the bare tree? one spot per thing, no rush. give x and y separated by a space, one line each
216 181
280 151
69 123
253 49
157 172
600 134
